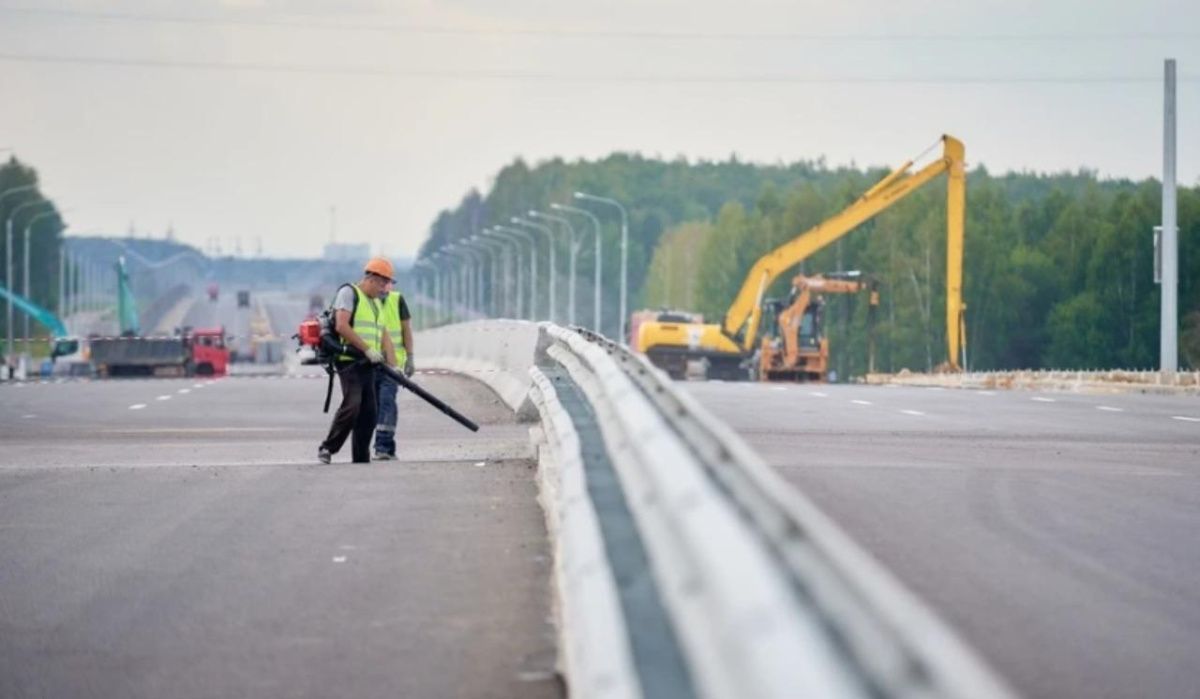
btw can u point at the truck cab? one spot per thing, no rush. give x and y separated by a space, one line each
210 356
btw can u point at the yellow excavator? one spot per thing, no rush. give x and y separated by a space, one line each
795 348
728 347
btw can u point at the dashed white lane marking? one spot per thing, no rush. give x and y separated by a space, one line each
28 417
861 402
1185 418
818 394
1040 399
779 388
987 393
199 385
164 398
339 559
137 406
480 464
912 412
1110 409
184 391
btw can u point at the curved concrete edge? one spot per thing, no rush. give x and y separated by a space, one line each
742 629
594 652
497 353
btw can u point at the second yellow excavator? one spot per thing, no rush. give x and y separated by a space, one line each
728 347
794 346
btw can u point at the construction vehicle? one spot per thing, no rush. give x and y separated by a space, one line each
794 346
68 355
199 352
202 352
728 347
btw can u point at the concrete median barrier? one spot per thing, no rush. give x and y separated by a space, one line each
497 352
683 566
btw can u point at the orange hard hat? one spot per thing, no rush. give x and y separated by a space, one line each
380 266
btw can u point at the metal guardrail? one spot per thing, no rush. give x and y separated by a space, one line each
765 596
895 645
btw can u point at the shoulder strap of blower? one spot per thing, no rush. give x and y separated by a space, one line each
330 368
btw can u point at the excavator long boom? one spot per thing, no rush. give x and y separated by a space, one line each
744 316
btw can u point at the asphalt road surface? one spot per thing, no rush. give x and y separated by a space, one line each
1057 532
178 538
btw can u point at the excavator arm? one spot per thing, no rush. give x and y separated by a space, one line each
744 316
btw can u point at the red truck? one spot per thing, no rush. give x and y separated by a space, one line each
200 352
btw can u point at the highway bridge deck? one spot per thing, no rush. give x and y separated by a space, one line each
178 538
1057 532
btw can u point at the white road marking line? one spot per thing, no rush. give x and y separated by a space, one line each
861 402
987 393
339 559
199 385
779 388
28 417
818 394
184 391
1185 418
1043 400
912 412
137 406
480 464
1110 409
164 398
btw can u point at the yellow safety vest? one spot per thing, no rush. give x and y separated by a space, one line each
366 323
395 330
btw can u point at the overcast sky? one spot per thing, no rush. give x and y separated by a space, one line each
249 119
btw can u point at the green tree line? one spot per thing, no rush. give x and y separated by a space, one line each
1058 267
25 207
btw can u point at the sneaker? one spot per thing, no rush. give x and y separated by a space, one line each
324 455
381 456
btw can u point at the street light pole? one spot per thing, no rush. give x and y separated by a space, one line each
25 274
8 264
527 237
8 270
596 311
624 257
512 300
494 250
574 251
517 220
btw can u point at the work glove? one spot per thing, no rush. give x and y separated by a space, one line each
374 356
409 369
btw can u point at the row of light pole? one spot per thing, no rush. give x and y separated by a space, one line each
456 271
10 218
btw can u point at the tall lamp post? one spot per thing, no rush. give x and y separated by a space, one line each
599 262
422 309
25 275
513 300
624 256
8 268
517 220
527 237
494 249
574 253
8 262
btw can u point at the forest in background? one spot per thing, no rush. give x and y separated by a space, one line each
1058 267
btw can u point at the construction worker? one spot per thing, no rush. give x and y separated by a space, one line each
396 323
359 322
